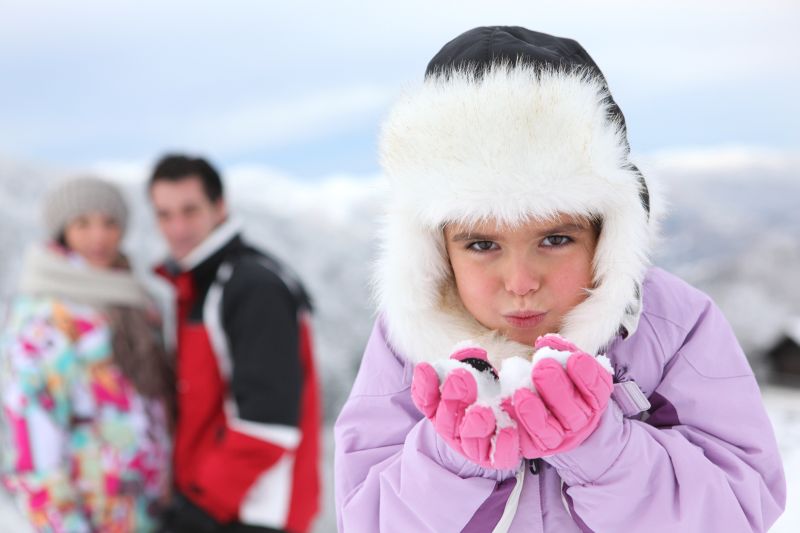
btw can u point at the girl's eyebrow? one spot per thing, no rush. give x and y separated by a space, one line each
564 228
469 236
552 230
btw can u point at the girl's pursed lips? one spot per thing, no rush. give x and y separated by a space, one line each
524 319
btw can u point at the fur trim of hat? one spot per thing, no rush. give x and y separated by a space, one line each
512 143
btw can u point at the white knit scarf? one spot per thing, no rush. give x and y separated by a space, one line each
49 273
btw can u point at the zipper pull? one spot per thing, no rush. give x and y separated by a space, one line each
533 466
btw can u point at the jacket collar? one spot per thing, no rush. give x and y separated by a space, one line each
218 239
201 263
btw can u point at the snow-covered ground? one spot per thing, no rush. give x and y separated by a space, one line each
784 409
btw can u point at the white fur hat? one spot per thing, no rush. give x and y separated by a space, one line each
507 137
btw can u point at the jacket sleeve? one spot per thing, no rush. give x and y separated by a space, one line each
392 472
36 363
706 459
260 321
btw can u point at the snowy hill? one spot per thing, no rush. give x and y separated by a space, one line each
733 230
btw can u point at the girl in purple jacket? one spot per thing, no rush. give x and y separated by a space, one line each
515 250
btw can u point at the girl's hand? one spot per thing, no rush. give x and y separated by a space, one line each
461 398
565 404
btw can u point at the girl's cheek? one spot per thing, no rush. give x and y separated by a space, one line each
573 279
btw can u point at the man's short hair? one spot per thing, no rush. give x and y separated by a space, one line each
177 167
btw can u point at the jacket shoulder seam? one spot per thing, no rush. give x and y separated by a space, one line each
665 319
647 318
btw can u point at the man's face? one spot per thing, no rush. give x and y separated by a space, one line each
95 236
185 214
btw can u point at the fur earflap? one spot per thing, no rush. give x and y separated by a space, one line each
513 144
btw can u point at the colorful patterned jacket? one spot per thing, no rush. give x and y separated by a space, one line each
82 450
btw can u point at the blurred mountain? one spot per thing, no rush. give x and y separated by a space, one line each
732 229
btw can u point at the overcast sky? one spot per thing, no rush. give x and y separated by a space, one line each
301 86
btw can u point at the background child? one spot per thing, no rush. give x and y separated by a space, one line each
516 212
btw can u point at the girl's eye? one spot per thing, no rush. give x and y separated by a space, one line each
482 246
553 241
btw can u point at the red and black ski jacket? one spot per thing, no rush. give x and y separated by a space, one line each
248 424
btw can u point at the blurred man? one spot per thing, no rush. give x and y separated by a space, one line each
247 435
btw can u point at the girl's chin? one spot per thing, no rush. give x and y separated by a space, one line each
528 337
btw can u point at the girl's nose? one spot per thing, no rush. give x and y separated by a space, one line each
521 277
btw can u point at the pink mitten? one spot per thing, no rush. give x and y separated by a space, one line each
566 405
468 426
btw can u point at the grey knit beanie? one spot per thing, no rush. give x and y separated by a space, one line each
76 196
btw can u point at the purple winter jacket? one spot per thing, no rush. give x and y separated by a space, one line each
704 459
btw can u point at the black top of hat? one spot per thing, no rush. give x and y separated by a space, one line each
480 47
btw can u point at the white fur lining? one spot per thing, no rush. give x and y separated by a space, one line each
510 146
